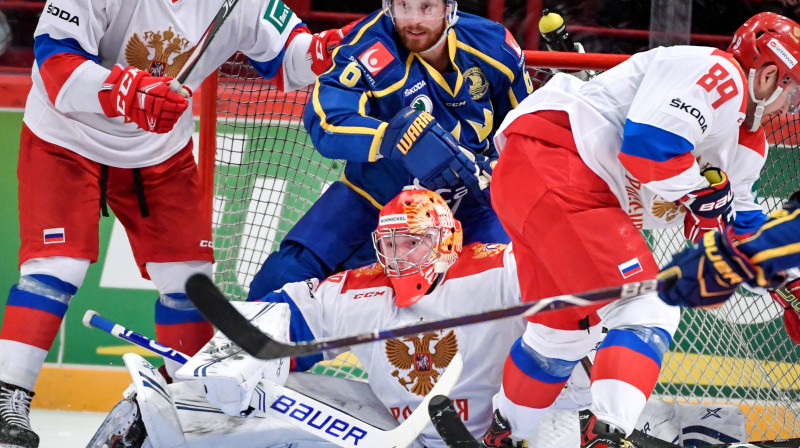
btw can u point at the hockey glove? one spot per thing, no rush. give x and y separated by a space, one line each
709 272
430 153
789 299
141 98
708 208
322 45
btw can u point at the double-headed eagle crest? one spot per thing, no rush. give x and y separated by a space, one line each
160 52
420 359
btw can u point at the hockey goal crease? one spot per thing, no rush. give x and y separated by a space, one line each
262 173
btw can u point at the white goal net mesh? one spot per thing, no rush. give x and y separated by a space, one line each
268 174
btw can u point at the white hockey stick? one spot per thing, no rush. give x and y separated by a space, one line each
300 410
202 45
216 308
342 429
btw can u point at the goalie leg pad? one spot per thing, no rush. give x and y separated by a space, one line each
159 415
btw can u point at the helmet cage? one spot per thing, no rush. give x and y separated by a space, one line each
406 250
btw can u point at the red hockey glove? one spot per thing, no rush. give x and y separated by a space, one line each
322 45
789 299
708 208
141 98
321 49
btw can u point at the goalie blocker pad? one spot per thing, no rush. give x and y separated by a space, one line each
229 374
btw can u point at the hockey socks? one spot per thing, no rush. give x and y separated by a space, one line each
180 326
36 306
625 372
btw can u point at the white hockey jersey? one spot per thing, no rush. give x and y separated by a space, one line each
78 42
401 371
649 125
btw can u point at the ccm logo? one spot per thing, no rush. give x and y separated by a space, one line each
63 15
720 203
364 295
207 243
124 86
317 420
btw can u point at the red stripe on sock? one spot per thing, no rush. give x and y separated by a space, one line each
30 326
526 391
626 365
187 338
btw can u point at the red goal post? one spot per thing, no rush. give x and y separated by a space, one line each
262 173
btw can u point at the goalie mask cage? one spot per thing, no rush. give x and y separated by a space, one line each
266 174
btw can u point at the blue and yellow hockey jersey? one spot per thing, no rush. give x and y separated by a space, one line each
373 76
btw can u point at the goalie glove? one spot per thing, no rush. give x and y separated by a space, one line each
431 154
708 208
789 298
141 98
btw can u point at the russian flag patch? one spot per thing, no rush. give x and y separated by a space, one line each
54 236
630 267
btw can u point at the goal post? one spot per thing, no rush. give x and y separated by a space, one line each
266 174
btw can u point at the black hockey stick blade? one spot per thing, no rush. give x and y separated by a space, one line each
213 305
449 425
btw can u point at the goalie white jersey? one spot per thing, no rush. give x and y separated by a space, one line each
401 371
649 125
78 42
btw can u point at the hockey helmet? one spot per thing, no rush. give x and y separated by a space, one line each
767 38
428 9
416 241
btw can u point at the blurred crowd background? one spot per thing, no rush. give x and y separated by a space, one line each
711 20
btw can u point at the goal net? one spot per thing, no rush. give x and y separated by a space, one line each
267 174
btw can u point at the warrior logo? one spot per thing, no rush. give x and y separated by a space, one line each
478 86
420 360
166 48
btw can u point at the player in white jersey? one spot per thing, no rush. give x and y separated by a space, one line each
671 136
422 274
101 126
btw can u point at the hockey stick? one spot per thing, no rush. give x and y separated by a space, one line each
448 424
94 320
293 407
202 45
213 305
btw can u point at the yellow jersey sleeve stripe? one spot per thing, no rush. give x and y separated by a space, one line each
376 142
493 62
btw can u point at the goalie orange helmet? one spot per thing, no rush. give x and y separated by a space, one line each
416 241
768 38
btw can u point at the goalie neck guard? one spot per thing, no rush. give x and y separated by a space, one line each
416 241
768 38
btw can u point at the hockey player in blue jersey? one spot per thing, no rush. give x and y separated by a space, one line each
413 97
